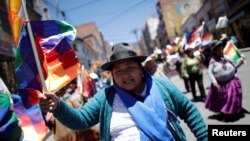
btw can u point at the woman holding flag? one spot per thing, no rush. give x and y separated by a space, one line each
225 92
138 106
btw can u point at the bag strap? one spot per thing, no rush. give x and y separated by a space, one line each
171 127
169 109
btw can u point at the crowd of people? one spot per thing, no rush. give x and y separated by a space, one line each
225 93
134 98
72 97
139 105
138 85
224 96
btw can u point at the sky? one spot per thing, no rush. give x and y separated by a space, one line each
116 19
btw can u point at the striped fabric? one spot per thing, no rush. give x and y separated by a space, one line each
59 62
232 52
29 96
16 22
9 124
199 37
194 38
207 37
32 122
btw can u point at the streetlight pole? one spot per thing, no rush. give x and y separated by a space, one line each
135 31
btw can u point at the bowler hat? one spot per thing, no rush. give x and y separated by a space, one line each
122 51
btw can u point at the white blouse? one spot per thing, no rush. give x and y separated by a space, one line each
122 126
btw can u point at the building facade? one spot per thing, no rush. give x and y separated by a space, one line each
150 33
239 20
90 45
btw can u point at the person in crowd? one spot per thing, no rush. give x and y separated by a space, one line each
179 63
154 66
225 92
106 78
162 65
206 51
63 133
172 58
192 70
138 106
224 37
99 84
74 92
230 38
234 40
96 81
150 64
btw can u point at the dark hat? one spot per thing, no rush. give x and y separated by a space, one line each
122 51
217 43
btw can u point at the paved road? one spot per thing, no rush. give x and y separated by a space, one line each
244 75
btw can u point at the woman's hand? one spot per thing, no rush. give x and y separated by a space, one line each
216 86
242 59
48 102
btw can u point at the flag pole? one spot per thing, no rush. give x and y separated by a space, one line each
203 29
82 79
34 47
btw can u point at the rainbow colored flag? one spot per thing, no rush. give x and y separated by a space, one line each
89 88
29 96
31 119
15 18
10 129
194 38
207 39
232 52
59 62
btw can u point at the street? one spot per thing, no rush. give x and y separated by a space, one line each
244 76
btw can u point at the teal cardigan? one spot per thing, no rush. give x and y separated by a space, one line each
99 110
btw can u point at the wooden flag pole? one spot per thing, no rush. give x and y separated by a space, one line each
39 68
82 78
203 29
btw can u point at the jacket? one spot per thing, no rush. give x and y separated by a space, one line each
99 110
